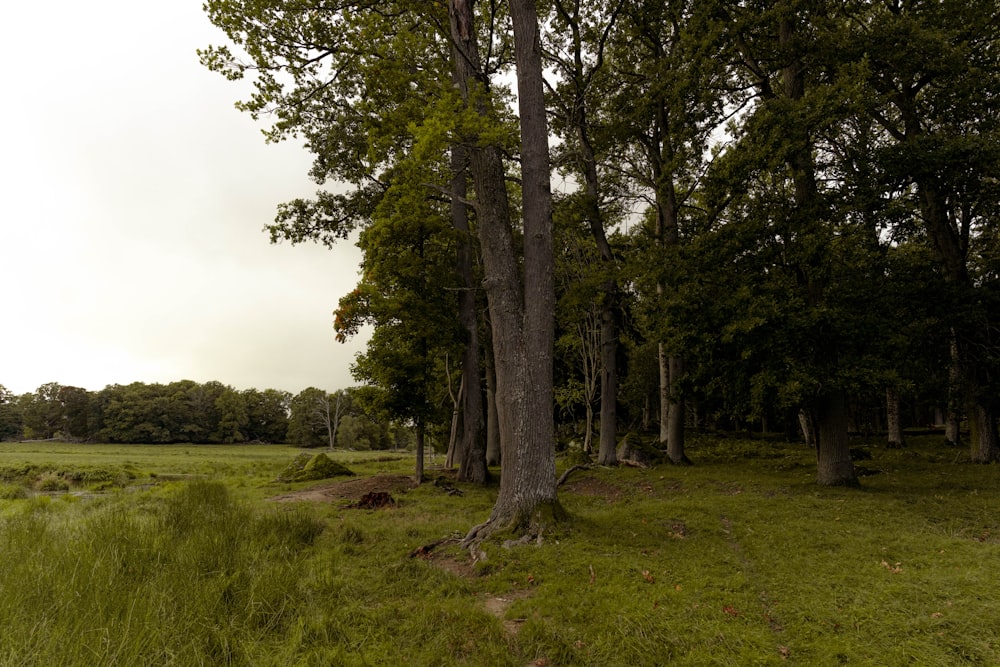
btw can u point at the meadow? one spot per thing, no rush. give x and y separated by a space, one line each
195 555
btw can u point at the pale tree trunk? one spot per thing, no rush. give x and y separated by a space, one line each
456 412
807 427
521 314
892 415
833 452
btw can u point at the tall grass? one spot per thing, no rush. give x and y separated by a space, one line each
738 560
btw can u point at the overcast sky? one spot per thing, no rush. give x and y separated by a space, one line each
133 197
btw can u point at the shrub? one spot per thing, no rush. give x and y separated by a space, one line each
12 492
52 482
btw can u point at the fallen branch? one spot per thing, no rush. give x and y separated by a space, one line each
566 474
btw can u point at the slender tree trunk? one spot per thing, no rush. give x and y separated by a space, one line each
606 453
675 415
892 414
418 474
472 462
952 426
456 412
833 452
663 361
492 419
807 427
588 432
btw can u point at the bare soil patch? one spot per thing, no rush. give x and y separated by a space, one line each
351 489
592 486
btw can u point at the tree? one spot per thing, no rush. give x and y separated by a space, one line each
313 418
10 416
576 47
267 415
932 85
42 412
233 417
521 306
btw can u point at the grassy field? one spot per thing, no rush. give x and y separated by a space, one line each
151 555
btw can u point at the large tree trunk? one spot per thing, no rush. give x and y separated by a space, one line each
892 413
833 452
521 314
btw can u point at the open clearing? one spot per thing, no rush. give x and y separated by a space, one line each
198 556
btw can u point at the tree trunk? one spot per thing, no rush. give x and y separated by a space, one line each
456 412
675 415
808 428
527 498
893 418
418 475
833 452
663 362
952 426
492 419
606 453
521 314
985 444
472 461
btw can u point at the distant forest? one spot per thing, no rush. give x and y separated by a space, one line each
200 413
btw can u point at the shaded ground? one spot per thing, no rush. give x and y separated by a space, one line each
587 485
350 489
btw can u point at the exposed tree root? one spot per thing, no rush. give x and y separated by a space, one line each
569 471
523 527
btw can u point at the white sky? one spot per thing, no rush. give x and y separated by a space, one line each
132 202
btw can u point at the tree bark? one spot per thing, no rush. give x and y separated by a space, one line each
833 452
675 415
492 419
807 427
472 459
663 362
521 314
418 474
892 413
983 433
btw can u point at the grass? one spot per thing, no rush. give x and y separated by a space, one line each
738 560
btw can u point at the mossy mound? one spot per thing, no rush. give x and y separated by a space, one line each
309 467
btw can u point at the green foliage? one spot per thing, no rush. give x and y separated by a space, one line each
13 491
